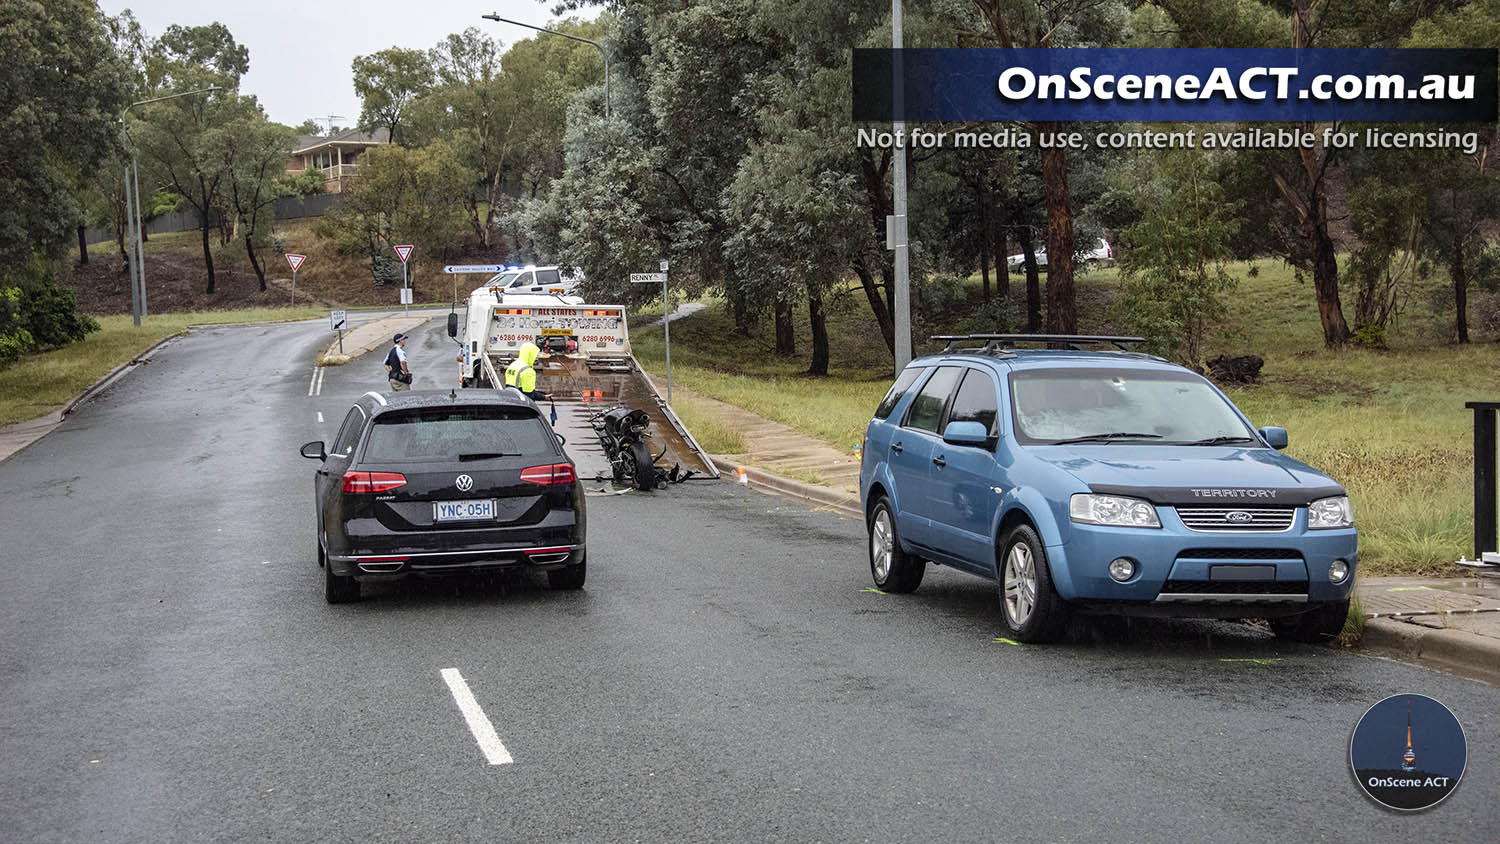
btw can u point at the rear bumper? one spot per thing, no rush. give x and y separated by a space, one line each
396 564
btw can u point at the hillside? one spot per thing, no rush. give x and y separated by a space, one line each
176 278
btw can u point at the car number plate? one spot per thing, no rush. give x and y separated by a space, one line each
463 511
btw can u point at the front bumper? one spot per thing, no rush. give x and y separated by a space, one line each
1195 571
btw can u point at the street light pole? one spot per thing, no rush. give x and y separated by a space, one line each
902 305
134 254
600 47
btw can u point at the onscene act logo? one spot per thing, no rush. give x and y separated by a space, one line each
1408 752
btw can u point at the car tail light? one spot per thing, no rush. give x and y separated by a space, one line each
557 473
360 483
1109 251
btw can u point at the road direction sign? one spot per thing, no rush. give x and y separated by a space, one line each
455 269
295 260
336 318
404 251
648 278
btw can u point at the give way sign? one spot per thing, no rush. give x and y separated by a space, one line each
295 260
404 252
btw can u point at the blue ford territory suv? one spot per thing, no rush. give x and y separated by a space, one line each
1099 481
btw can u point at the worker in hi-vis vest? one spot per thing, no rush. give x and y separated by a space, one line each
520 374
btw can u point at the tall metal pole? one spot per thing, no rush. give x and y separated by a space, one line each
902 305
130 259
140 237
597 45
666 325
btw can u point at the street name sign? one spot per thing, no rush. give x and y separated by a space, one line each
455 269
648 278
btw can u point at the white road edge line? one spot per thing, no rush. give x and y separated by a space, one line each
479 725
314 382
321 372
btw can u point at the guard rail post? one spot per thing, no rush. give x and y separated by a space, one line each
1485 515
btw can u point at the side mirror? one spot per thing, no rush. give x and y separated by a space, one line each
1274 437
453 325
966 433
314 451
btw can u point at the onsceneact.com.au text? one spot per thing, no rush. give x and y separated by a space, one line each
1255 83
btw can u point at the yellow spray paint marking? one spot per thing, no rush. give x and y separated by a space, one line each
873 589
1410 589
1003 640
1256 660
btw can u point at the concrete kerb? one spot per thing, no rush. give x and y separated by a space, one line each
367 337
841 502
1456 651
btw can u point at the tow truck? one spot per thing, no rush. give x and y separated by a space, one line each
585 365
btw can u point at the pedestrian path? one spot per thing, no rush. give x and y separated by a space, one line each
782 449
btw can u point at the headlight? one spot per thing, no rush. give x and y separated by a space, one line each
1325 513
1113 510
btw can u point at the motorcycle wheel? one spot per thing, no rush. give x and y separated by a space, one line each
645 473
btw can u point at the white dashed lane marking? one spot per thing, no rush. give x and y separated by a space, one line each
479 724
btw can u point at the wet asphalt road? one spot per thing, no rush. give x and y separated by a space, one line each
170 671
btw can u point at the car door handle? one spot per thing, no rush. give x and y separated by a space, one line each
896 447
939 461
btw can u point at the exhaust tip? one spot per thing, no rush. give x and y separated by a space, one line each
381 568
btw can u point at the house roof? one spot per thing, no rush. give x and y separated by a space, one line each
306 143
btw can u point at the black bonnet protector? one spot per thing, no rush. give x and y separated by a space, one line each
1226 495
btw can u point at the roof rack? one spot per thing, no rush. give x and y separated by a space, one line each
998 344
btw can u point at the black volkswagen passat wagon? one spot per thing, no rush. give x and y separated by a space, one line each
432 482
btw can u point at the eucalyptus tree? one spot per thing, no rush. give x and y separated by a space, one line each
387 82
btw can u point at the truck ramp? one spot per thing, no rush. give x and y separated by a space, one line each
581 387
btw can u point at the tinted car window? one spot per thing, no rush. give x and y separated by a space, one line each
975 401
893 395
446 433
927 408
343 444
548 277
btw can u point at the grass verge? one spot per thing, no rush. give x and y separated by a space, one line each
40 383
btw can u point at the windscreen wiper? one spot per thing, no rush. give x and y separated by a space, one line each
486 455
1222 440
1117 435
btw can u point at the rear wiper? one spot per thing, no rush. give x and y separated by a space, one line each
1222 440
1117 435
485 455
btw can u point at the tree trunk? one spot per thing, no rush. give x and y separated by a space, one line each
260 272
1002 263
786 337
1460 289
83 246
819 322
1326 281
1033 285
208 255
984 242
877 304
1062 309
120 242
145 232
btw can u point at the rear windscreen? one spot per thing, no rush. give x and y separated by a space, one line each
447 433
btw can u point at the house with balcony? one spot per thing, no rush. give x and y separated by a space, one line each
337 155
